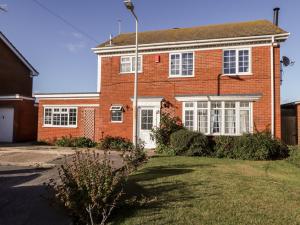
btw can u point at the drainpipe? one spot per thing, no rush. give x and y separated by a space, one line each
272 88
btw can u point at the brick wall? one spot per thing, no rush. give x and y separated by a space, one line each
117 88
52 133
25 119
14 75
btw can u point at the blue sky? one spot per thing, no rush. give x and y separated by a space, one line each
63 55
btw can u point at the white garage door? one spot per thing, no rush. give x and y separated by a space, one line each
6 124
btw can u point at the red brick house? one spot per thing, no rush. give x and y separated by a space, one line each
18 115
219 79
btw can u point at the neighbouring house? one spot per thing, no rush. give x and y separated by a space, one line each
219 79
290 120
18 114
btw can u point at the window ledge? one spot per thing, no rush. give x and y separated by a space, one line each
181 76
54 126
237 74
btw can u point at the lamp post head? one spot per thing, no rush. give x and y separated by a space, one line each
129 5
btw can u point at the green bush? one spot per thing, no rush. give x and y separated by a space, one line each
168 125
294 157
257 146
165 149
79 142
89 187
116 143
223 146
190 143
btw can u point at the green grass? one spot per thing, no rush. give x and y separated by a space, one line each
191 190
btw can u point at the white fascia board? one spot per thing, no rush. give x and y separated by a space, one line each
217 98
71 105
68 96
15 97
190 43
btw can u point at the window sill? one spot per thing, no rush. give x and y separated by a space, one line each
181 76
53 126
116 121
237 74
124 73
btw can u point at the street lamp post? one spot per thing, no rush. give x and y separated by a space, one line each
129 5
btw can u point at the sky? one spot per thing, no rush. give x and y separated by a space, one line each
61 51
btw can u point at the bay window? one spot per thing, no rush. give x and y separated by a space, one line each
60 116
236 61
181 64
218 117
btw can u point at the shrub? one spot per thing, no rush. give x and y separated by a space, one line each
257 146
116 143
90 188
223 146
168 125
185 142
260 146
294 157
80 142
165 149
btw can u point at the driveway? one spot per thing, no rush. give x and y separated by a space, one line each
24 199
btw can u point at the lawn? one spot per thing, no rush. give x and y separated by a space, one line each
192 190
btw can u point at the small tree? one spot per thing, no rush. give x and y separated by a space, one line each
168 125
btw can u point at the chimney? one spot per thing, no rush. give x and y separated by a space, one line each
275 15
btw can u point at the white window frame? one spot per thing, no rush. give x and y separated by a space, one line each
118 108
131 63
180 64
237 108
60 108
237 62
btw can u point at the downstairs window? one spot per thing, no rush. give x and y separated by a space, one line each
60 116
218 117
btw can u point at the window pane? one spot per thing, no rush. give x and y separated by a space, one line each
146 119
139 64
216 117
125 64
56 119
187 63
189 104
116 115
244 121
175 64
64 119
72 116
203 120
230 121
189 119
48 116
229 61
243 61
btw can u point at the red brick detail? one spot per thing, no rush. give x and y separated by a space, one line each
52 133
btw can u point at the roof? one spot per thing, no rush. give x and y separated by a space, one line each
78 95
219 31
33 71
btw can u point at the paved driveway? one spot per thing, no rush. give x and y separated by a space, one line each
24 199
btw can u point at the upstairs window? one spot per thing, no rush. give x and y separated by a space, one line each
128 64
236 61
181 64
60 117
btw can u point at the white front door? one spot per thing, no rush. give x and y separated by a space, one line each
148 119
6 124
